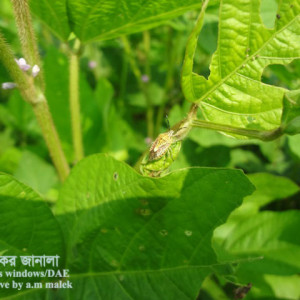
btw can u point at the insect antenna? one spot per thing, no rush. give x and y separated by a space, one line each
168 122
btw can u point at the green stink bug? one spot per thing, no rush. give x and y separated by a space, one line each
159 165
161 145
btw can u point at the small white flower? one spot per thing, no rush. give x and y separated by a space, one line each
148 141
145 78
8 85
92 64
22 64
35 70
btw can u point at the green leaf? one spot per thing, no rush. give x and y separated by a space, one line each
211 288
36 172
246 160
156 96
27 227
54 15
233 94
20 115
9 160
56 75
273 236
130 237
99 20
276 287
6 140
291 112
294 145
270 187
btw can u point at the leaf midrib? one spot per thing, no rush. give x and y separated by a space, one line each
215 87
133 272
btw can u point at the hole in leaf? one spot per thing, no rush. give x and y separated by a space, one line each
207 42
188 232
163 232
286 76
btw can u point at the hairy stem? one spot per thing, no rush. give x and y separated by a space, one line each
35 97
44 118
74 102
25 83
264 135
27 37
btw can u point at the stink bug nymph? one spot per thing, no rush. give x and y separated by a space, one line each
161 145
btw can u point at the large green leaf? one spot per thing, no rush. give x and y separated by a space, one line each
106 19
234 94
270 235
294 145
98 20
135 237
27 227
269 188
53 13
267 237
36 172
275 287
56 75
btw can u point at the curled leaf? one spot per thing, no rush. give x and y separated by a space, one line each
154 168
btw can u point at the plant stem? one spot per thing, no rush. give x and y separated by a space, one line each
74 101
142 85
27 37
264 135
44 118
25 84
35 97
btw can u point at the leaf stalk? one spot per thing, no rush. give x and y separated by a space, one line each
264 135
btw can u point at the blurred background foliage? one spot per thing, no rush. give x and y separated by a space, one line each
113 113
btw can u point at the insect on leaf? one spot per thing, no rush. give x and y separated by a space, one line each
155 168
